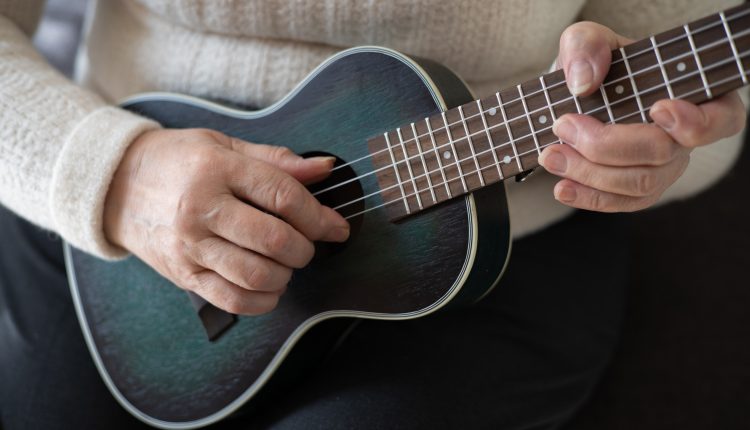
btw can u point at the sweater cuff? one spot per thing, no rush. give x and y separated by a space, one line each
83 172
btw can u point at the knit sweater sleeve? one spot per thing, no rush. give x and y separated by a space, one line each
640 18
59 143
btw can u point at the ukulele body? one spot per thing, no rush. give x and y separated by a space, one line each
145 337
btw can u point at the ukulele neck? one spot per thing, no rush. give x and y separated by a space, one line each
453 153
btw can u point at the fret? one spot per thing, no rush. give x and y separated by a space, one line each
636 93
489 139
455 153
559 94
470 143
737 58
698 61
528 117
546 96
424 164
607 105
510 133
437 156
661 66
398 175
408 168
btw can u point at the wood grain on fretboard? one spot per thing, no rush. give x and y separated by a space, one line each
507 131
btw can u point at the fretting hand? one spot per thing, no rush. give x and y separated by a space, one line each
620 168
220 217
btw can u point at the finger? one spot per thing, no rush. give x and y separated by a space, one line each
586 54
580 196
241 267
617 144
275 191
249 228
230 297
564 161
305 170
694 126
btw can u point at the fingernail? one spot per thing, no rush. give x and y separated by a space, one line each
554 162
566 131
327 159
565 194
663 117
340 234
580 76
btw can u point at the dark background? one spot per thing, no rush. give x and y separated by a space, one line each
684 357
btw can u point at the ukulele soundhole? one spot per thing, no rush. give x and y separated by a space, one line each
343 192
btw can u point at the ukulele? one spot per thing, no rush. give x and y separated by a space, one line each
419 174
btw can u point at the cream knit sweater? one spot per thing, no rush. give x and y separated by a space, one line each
60 143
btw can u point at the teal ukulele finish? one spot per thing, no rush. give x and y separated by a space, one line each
144 335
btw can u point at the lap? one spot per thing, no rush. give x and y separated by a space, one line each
524 357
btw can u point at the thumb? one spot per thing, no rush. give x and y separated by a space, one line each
305 170
586 54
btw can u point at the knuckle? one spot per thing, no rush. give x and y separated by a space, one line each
277 240
269 303
662 153
287 196
233 305
306 254
258 277
279 153
596 202
594 141
646 183
187 213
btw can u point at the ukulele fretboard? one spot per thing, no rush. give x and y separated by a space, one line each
492 139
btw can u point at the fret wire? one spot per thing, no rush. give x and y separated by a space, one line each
528 117
437 155
398 176
471 145
489 139
698 62
719 83
424 165
408 167
547 97
507 128
578 104
633 85
661 66
734 47
455 154
606 104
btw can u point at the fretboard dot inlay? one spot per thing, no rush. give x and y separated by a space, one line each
492 112
543 119
506 159
619 89
447 155
681 67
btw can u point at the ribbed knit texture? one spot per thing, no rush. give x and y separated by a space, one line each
60 144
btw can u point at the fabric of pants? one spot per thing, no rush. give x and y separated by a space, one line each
526 357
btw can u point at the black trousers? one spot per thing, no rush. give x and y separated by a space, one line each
526 357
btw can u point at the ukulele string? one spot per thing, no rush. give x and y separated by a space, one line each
682 37
635 95
402 199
